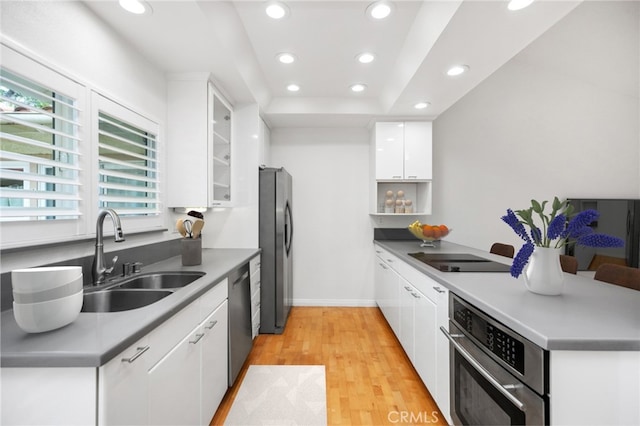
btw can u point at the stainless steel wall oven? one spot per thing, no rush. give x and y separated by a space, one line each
497 376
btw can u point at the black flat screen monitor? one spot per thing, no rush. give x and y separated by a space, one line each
618 217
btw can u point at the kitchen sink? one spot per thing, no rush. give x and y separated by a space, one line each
161 280
116 300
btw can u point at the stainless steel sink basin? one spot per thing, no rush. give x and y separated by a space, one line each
116 300
161 280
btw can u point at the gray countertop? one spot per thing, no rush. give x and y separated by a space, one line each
588 316
95 338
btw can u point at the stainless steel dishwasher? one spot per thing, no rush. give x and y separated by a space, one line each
240 340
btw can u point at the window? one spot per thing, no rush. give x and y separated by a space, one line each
127 163
65 153
128 178
39 151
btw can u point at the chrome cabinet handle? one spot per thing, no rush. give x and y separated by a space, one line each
389 260
415 295
438 289
137 355
383 265
483 371
406 287
211 324
198 337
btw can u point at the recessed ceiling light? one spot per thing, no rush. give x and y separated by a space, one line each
358 87
366 58
380 9
138 7
518 4
293 87
277 10
286 58
421 105
457 70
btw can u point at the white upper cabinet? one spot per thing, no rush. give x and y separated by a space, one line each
199 143
403 151
417 150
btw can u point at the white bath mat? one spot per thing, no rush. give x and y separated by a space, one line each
280 395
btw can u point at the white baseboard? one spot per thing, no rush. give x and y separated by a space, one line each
354 303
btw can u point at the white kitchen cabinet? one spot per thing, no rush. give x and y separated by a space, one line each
387 289
254 273
123 387
189 381
403 151
425 330
214 360
174 397
401 154
199 143
415 307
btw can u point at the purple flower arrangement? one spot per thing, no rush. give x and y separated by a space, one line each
557 228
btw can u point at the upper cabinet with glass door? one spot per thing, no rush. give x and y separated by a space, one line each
199 143
220 189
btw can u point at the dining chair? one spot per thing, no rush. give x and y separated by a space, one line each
502 249
569 264
624 276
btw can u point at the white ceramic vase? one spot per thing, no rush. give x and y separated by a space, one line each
543 274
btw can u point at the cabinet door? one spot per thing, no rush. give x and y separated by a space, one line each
388 294
425 341
417 150
123 387
389 151
407 318
174 384
442 353
220 119
214 362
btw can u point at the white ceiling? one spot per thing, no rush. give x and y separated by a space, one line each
238 44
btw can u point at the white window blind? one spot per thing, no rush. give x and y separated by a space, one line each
128 167
39 151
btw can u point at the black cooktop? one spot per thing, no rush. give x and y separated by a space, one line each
460 262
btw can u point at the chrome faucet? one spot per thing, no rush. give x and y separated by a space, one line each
99 270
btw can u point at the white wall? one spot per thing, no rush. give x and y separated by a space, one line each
561 118
332 242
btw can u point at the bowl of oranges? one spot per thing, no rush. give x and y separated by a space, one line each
428 233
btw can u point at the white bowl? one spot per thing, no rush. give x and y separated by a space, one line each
44 278
46 316
68 289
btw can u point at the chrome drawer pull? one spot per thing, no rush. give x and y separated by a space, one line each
494 382
406 287
383 265
198 337
135 356
415 295
211 324
438 289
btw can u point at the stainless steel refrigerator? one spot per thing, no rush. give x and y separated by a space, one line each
276 263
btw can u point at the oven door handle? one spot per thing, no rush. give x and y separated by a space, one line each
483 371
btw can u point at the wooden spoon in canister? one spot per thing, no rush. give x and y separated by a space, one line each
198 224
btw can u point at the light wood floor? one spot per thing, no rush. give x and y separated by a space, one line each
370 380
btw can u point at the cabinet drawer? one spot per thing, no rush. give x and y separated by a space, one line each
167 335
255 324
255 288
255 303
213 298
254 265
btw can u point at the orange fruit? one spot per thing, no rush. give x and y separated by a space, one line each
444 230
427 231
437 233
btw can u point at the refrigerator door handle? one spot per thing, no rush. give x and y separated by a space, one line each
288 228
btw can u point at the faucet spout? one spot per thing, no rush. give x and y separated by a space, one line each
99 269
